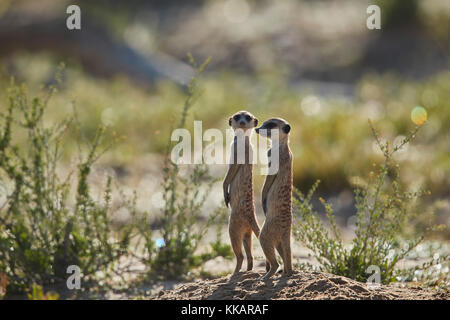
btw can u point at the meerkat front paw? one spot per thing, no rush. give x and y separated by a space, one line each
226 197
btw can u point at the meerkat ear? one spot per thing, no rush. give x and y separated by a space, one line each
256 122
286 129
229 122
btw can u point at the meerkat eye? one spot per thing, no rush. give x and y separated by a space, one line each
270 125
248 118
236 117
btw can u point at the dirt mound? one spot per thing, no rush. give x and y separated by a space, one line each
301 285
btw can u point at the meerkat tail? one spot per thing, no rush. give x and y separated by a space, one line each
255 228
248 250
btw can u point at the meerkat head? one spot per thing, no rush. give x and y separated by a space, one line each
243 120
279 124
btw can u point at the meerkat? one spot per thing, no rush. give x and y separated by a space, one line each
277 200
238 189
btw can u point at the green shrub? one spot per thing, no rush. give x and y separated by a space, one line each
434 273
218 248
37 293
184 197
383 212
48 223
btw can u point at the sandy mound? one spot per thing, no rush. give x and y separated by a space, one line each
301 285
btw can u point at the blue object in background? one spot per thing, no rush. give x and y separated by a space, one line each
159 242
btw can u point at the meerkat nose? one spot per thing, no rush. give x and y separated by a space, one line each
242 123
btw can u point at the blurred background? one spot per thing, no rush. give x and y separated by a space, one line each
312 62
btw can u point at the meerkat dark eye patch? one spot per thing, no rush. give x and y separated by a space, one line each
270 125
286 128
248 118
236 117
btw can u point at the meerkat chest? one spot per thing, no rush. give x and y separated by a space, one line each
279 198
281 187
243 179
241 152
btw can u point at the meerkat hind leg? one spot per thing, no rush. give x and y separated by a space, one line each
248 250
236 244
286 255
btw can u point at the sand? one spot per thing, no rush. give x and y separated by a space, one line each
301 285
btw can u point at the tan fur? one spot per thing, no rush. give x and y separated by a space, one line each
277 194
240 196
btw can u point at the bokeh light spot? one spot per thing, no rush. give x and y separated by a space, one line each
311 105
419 115
109 117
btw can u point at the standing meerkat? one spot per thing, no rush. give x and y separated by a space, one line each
277 199
238 189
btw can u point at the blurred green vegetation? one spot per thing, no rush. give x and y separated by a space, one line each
37 293
330 137
257 69
398 12
45 225
383 214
